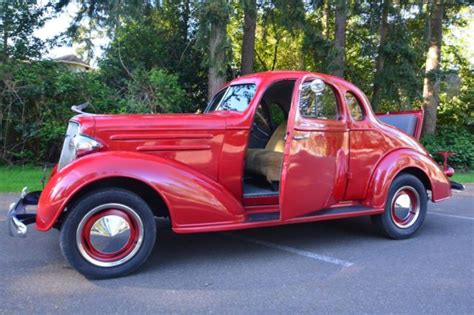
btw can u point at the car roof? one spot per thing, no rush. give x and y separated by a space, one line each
287 74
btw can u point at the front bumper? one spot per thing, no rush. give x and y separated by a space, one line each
456 186
18 219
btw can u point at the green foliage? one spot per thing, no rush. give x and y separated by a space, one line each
35 99
457 95
454 139
158 61
160 40
155 91
18 22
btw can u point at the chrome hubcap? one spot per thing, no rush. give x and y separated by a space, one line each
109 235
405 207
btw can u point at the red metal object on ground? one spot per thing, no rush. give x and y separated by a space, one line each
448 171
336 159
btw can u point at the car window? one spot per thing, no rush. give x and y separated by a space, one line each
321 104
354 106
237 97
216 100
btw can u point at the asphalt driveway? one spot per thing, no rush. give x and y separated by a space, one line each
326 267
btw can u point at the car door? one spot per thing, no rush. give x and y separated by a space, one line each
316 149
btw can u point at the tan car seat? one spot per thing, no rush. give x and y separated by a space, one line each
268 161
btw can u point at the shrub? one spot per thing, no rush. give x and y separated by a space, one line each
155 91
35 100
455 139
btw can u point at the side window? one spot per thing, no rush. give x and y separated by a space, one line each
216 100
238 97
354 106
318 100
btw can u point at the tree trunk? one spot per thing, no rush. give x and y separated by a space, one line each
217 56
339 38
379 63
431 81
248 42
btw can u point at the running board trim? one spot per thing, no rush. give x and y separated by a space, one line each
332 215
337 210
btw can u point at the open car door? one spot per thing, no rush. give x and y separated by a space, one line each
316 150
410 122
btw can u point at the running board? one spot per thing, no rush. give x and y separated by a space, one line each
256 220
261 217
338 211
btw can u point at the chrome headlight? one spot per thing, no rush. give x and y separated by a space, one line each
76 145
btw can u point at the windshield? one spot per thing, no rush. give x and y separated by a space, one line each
235 98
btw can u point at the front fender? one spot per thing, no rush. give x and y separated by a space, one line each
192 198
398 161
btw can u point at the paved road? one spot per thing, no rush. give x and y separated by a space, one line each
326 267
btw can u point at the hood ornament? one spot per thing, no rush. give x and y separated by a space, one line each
78 108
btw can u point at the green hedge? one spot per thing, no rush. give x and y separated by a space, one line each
455 139
36 99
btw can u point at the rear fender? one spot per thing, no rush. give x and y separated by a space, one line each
191 197
407 160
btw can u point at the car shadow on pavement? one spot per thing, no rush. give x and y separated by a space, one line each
173 249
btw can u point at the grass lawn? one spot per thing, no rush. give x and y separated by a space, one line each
13 179
464 178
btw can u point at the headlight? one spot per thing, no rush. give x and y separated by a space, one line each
83 145
76 145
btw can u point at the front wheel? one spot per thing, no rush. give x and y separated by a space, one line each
405 208
108 233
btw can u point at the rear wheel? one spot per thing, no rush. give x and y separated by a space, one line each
108 233
405 208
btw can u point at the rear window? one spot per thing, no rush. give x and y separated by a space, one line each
234 98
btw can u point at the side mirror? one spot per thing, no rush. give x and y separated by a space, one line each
317 86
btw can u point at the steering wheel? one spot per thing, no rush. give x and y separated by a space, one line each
255 126
265 131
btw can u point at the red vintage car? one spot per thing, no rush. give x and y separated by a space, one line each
270 148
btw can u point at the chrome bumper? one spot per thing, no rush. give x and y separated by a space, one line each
18 219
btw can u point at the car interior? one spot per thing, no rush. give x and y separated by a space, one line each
264 157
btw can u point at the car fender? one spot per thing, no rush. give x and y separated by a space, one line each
191 197
407 160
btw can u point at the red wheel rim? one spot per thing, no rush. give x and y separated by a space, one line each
109 235
405 207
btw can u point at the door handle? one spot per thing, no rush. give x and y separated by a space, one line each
301 137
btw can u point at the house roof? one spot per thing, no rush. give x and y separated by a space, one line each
72 59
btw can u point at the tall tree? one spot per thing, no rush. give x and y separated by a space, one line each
380 61
248 41
433 58
213 22
18 22
340 37
217 60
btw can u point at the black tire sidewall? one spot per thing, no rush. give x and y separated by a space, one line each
386 221
86 204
